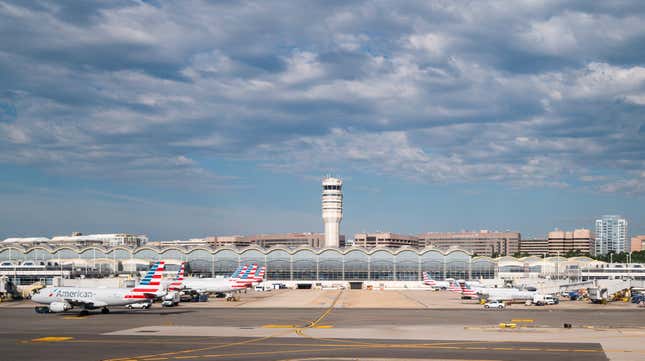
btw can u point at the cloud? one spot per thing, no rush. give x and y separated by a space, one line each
531 94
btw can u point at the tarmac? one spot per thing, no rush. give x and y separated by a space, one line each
398 299
341 327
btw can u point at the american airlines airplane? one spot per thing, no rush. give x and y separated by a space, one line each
508 294
427 280
177 284
499 293
242 278
61 299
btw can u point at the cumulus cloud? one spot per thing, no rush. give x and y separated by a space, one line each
538 94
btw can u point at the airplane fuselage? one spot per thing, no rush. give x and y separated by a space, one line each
213 285
99 297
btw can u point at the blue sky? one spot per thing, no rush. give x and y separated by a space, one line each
195 118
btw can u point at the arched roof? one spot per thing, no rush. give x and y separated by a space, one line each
483 258
47 249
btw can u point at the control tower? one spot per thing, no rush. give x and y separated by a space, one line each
332 209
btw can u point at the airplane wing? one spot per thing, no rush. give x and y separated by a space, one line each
86 303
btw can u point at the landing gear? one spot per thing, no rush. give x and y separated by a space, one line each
84 313
104 310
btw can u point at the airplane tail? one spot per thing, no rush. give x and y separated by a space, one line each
245 277
260 276
178 283
428 280
237 272
150 285
248 276
454 287
466 290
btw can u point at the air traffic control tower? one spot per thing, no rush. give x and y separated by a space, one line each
332 210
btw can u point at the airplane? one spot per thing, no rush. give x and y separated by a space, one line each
178 282
512 294
454 287
499 293
61 299
251 275
472 283
260 276
242 278
247 275
427 280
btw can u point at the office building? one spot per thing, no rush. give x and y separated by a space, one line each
80 240
289 240
384 239
117 239
332 210
534 247
482 243
227 241
611 235
638 243
562 242
177 242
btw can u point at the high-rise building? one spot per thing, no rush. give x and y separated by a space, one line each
482 243
561 242
611 235
332 210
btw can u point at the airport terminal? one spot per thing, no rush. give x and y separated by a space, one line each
393 260
43 263
381 295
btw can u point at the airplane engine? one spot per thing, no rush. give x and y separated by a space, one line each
59 306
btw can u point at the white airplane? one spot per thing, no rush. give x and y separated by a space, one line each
178 282
427 280
242 278
496 293
61 299
471 283
508 294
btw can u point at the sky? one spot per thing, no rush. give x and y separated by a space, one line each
185 119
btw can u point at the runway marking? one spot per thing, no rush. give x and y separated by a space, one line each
321 347
279 326
74 317
328 311
174 353
377 345
52 339
378 359
521 320
277 352
191 343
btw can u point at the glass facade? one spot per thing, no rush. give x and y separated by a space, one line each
305 263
